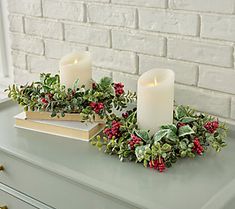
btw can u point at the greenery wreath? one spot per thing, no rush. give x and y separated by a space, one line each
191 133
49 96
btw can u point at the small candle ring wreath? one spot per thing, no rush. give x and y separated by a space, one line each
48 95
191 133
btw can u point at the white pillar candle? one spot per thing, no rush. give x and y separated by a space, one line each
75 66
155 99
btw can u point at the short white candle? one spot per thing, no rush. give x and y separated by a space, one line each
155 99
75 66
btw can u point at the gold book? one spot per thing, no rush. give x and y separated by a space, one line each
70 129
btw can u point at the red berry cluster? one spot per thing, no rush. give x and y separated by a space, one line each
114 131
135 140
118 87
211 126
96 106
197 146
180 124
157 164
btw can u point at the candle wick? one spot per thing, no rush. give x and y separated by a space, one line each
75 61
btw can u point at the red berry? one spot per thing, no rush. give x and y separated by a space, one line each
125 115
180 124
43 100
118 87
197 146
211 127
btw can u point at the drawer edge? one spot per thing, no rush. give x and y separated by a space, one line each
23 197
78 178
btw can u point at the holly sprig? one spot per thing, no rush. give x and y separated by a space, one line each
50 96
190 135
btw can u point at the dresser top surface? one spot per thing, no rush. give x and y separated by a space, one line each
189 184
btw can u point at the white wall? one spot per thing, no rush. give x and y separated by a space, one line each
195 38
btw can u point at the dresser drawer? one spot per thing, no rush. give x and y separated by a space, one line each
12 202
52 189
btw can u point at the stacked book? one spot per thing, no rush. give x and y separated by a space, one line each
69 126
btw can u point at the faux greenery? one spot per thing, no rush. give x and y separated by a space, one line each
48 95
190 135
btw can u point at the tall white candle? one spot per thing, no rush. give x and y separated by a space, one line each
75 66
155 99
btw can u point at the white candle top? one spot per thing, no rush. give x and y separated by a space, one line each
76 65
80 58
156 78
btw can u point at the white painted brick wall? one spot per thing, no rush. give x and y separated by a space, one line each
202 52
87 35
58 49
43 28
27 44
168 22
215 78
204 100
112 15
220 6
16 23
143 43
73 11
113 59
218 27
38 64
185 73
18 60
149 3
26 7
98 73
195 38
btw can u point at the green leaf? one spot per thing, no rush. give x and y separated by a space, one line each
166 147
185 130
160 134
170 126
187 119
183 154
75 84
105 82
171 136
143 135
183 145
180 112
140 151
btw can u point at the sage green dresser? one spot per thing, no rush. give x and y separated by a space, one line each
45 171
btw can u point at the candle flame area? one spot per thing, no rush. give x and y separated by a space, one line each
75 61
155 81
